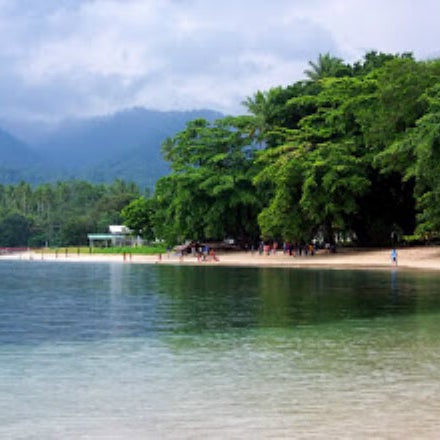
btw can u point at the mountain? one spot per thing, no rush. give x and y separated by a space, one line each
13 152
123 145
17 159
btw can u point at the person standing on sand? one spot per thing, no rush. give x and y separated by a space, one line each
394 256
212 255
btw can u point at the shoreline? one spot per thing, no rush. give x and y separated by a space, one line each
411 258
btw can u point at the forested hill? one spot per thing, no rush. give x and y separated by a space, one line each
15 158
13 151
125 145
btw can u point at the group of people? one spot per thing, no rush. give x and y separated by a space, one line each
203 253
208 255
292 249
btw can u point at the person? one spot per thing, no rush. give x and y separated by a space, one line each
267 249
212 255
394 256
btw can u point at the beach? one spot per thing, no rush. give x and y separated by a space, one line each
421 258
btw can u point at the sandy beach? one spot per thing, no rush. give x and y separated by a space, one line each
422 258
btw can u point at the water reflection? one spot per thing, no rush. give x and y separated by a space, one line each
97 351
210 298
99 301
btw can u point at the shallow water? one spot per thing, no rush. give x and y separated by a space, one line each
113 351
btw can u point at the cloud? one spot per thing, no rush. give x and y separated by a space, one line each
393 26
78 57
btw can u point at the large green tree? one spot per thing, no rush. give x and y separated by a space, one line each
337 171
138 216
209 195
320 172
416 156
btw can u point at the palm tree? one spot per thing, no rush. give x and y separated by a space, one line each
261 106
327 66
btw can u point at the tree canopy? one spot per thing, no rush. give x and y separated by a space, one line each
209 194
60 214
351 151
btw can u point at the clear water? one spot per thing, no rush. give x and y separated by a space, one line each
114 351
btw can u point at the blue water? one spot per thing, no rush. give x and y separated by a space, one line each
115 351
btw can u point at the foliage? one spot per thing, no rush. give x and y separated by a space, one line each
138 216
210 194
423 142
351 151
15 230
343 153
327 66
60 214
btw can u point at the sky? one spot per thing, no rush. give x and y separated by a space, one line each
76 58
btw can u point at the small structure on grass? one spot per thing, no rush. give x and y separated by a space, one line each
118 236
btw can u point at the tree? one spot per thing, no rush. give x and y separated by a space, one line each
327 66
320 173
419 161
15 230
138 216
273 114
283 216
374 60
73 232
427 169
62 213
325 174
209 194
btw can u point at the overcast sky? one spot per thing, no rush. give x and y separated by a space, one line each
87 57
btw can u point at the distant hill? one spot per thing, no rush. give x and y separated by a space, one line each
123 145
14 152
17 159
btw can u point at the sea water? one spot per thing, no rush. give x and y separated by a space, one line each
121 351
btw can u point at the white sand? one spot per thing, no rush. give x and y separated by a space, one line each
423 257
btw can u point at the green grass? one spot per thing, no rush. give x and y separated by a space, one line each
139 250
77 250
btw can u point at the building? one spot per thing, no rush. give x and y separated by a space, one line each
119 235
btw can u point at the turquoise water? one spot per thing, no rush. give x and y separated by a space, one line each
115 351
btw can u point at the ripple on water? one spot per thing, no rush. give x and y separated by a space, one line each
114 351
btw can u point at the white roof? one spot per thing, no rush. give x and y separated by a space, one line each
118 229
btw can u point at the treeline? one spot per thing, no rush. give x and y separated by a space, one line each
351 151
60 214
